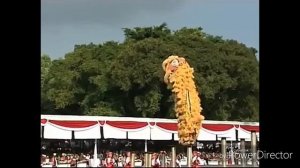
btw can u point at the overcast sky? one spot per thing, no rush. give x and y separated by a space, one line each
66 23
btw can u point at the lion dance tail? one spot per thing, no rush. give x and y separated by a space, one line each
179 75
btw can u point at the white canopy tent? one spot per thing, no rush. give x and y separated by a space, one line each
88 127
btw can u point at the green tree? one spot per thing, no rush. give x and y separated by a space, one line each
45 66
46 105
126 79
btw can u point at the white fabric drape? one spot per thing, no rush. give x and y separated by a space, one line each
244 134
72 128
229 134
112 132
158 133
92 133
140 134
53 132
205 135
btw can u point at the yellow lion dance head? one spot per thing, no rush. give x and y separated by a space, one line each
179 75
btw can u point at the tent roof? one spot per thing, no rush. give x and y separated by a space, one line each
88 127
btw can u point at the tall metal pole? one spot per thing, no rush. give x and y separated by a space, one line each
173 157
132 159
146 146
243 153
189 156
150 160
223 151
163 160
253 148
231 154
146 160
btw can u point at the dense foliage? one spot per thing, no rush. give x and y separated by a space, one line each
126 79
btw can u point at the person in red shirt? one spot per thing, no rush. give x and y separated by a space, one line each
155 161
109 160
54 160
195 160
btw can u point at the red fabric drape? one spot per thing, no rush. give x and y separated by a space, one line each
152 123
101 122
168 126
74 124
250 128
43 121
217 127
127 124
211 127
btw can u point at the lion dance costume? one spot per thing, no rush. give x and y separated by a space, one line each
179 77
